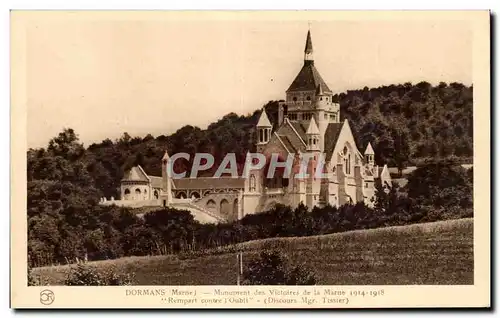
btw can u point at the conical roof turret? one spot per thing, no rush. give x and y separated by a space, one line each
313 128
369 149
264 120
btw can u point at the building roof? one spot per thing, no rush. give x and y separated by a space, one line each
156 182
300 127
332 134
293 135
209 183
201 183
264 120
288 144
369 149
308 79
135 174
313 128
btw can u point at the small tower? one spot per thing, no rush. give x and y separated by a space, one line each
369 154
263 130
319 91
321 114
321 99
313 136
313 184
166 180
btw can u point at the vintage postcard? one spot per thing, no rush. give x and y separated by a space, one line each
327 159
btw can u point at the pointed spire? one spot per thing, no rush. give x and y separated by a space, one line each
313 128
264 120
309 45
165 156
385 172
319 90
308 51
369 149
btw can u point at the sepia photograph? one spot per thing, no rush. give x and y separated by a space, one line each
163 152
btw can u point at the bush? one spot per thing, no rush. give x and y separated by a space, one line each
33 280
86 275
273 268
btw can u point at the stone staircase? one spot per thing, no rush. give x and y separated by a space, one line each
200 213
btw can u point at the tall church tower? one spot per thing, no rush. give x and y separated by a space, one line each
308 96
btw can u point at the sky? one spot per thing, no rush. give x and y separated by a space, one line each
106 76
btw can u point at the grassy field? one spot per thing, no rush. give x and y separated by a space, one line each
429 253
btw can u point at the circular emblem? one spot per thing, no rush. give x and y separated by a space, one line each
46 297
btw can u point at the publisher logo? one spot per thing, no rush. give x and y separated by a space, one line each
46 297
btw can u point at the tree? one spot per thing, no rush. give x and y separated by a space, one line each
273 268
393 208
66 145
401 150
440 184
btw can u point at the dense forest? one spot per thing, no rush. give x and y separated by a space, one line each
407 124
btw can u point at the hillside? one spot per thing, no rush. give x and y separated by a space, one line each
428 253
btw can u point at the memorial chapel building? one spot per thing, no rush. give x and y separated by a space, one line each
309 121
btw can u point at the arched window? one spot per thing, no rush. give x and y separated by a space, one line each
137 191
126 194
308 98
295 98
211 204
181 195
224 207
156 194
349 164
195 194
235 209
347 161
